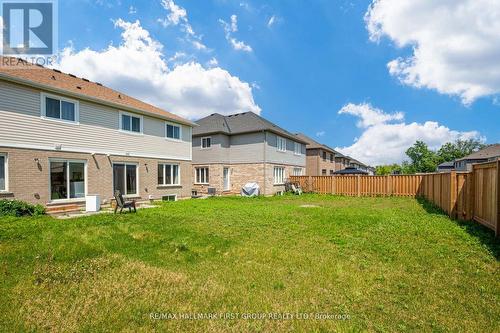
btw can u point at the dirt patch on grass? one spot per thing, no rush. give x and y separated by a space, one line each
310 206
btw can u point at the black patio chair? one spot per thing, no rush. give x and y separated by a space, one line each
122 204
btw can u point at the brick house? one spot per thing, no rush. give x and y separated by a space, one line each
321 159
64 137
231 151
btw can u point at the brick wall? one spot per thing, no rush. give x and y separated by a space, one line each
28 175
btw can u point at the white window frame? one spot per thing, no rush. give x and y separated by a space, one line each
279 175
43 108
281 144
297 148
206 138
135 115
171 174
68 161
206 179
6 175
125 175
298 171
175 125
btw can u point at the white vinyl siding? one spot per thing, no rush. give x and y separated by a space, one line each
96 132
130 122
59 108
168 174
281 144
3 172
202 176
279 175
172 131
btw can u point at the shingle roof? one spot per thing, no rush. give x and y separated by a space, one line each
447 165
313 144
350 171
22 72
247 122
485 153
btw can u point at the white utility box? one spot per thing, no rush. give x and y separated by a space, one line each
93 203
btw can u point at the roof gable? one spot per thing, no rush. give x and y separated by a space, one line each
247 122
22 72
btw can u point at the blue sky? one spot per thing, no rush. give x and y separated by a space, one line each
306 64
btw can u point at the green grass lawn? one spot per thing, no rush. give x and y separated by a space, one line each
389 264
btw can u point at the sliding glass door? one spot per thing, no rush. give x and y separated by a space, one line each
125 178
67 180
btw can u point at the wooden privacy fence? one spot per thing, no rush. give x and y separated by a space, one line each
471 195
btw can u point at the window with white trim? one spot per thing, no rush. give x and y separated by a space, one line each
130 122
281 144
173 131
206 142
59 108
297 171
202 175
168 174
297 148
279 175
67 179
3 172
126 178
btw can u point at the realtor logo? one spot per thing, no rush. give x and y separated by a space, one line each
29 27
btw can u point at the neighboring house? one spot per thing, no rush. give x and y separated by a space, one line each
490 153
446 167
321 159
358 165
64 137
231 151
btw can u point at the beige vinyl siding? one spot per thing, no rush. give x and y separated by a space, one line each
217 153
240 148
97 131
247 148
288 157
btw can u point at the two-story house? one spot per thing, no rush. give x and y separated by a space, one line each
231 151
321 159
64 137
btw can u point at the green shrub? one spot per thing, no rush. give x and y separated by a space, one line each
20 208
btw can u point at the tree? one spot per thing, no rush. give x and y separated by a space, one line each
422 158
454 150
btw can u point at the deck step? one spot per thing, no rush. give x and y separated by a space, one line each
62 209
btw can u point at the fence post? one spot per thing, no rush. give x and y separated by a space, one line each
497 228
359 185
310 184
453 194
334 184
389 185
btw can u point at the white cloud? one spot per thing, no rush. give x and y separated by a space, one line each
271 21
176 13
456 43
178 16
132 10
137 67
386 137
320 134
229 29
213 62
